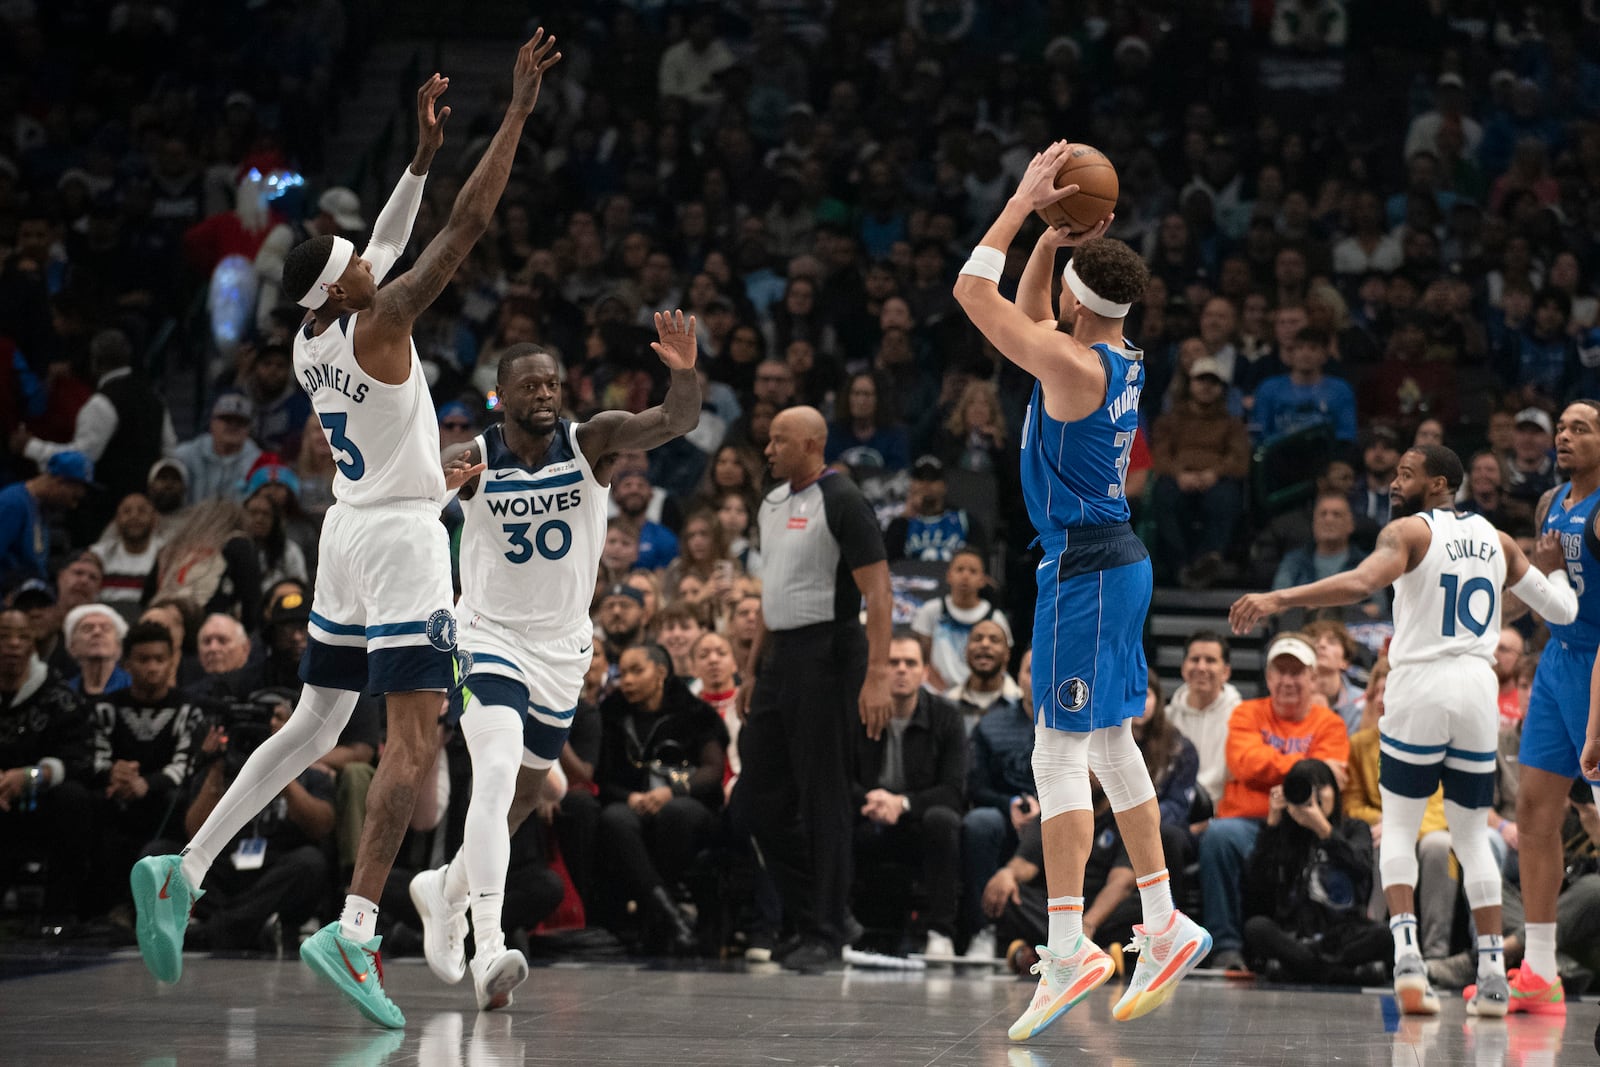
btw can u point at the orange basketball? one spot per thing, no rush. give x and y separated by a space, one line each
1088 168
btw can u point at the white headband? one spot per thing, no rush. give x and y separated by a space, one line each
1089 298
338 260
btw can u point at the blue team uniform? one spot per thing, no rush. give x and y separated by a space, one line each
1089 668
1558 707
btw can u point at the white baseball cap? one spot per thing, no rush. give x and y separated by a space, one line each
1291 645
344 206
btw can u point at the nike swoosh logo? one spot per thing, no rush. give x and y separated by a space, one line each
164 894
360 976
1045 564
585 650
505 474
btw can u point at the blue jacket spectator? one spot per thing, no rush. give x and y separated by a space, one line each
1305 396
24 506
1330 553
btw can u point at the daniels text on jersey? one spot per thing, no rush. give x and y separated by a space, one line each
327 376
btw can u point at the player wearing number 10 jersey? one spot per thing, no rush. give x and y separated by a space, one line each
535 523
381 618
1440 723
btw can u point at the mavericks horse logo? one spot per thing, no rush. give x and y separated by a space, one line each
1073 694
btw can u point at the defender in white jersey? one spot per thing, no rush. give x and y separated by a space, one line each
535 524
381 617
1441 721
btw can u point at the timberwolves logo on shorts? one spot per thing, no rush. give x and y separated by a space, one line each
1073 694
442 630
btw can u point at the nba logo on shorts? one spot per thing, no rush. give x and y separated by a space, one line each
442 630
1073 694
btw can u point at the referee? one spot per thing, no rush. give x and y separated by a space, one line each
811 667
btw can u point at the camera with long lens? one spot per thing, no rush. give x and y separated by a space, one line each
1300 784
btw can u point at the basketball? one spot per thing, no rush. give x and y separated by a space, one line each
1088 168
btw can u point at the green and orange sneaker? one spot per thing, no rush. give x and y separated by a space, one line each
1530 994
163 898
355 969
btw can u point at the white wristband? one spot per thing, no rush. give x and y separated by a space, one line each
985 262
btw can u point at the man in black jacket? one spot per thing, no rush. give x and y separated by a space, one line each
44 763
909 790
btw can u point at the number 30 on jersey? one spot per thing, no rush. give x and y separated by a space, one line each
552 540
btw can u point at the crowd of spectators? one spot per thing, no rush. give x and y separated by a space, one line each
1364 228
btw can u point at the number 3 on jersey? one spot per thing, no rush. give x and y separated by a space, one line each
522 549
354 466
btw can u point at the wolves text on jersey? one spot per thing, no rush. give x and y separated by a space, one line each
535 503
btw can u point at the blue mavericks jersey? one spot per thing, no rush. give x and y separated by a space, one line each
1575 523
1073 473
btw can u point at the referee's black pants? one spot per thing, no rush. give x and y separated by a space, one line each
796 749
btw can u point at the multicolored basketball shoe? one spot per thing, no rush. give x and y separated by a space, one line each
1063 982
354 968
1530 994
1164 960
164 898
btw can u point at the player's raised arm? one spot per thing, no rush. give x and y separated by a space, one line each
392 232
678 413
462 464
1052 357
398 304
1400 545
1550 594
1034 287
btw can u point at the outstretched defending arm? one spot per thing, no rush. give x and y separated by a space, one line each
1400 545
392 232
679 412
398 304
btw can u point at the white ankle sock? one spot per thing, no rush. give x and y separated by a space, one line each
1404 929
1539 955
1491 955
359 920
487 935
1066 924
1155 893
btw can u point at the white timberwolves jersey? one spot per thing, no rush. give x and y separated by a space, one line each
531 543
385 438
1450 604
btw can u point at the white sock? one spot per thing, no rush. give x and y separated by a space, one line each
1066 924
1404 929
493 733
1539 955
311 731
359 920
1155 893
1491 955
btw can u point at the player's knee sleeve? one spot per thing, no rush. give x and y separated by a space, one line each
493 733
1061 771
1469 836
1115 758
1397 852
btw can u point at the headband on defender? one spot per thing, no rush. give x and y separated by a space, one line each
338 260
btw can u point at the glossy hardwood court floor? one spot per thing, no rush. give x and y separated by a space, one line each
108 1011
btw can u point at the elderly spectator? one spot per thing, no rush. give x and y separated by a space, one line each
909 792
94 634
24 508
929 529
129 552
943 624
1305 396
1331 550
1201 456
1203 705
1001 791
224 645
988 687
1266 738
45 745
217 461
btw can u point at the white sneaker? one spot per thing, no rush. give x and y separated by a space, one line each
1063 982
1411 986
939 948
1164 961
981 950
444 927
495 975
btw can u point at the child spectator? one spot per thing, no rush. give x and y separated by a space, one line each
943 624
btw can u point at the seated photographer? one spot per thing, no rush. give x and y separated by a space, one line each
908 788
45 746
1307 886
662 752
1001 790
143 743
1018 902
278 864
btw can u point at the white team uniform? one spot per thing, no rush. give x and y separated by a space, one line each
530 548
381 616
1440 705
